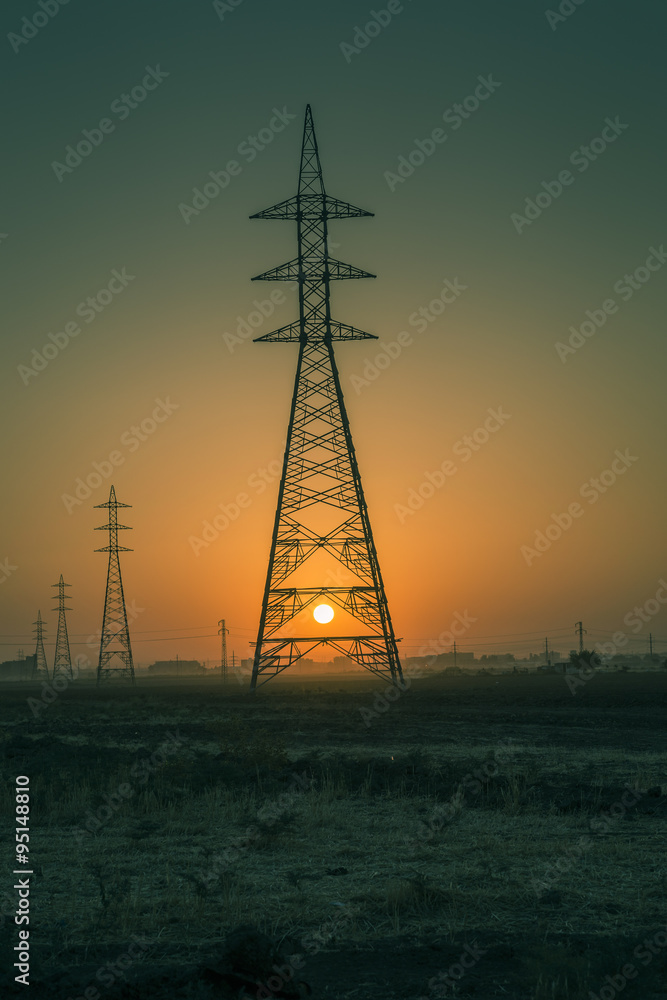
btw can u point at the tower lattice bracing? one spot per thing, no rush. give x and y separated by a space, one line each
222 632
40 670
115 649
62 664
322 546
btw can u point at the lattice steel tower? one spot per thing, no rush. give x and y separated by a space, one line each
62 663
40 670
115 649
223 632
321 514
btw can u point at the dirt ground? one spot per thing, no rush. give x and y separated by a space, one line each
472 837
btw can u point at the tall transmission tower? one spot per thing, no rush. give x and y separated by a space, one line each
40 670
62 663
321 513
115 649
223 631
580 630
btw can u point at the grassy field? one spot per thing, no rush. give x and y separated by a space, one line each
479 836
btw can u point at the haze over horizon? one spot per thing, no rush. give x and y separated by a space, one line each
509 423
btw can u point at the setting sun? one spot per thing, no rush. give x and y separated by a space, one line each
323 613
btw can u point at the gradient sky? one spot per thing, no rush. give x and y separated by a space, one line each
162 337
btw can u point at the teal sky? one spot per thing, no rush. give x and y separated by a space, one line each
162 336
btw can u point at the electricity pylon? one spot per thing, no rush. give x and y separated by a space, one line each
115 649
580 630
222 631
62 663
320 477
40 670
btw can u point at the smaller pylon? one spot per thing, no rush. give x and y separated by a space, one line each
40 670
62 663
223 631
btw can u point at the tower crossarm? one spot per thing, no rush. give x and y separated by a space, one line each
292 333
317 270
285 603
312 206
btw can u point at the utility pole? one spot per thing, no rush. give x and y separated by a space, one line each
321 508
223 632
580 630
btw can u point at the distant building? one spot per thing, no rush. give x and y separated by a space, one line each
17 670
177 668
447 659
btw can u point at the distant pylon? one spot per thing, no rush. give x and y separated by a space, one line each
40 669
62 663
115 649
321 513
580 630
222 631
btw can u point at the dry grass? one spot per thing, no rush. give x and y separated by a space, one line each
349 843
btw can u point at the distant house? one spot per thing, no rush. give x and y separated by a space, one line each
177 668
17 670
454 658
